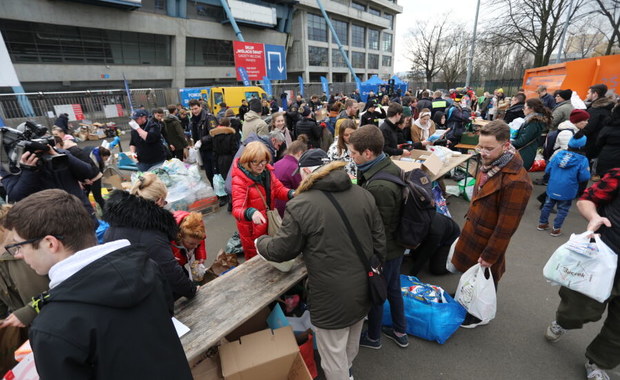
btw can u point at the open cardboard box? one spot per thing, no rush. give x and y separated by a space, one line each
431 164
264 355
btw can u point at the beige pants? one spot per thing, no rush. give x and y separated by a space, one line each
338 348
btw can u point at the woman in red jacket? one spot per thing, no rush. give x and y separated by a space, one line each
254 188
189 248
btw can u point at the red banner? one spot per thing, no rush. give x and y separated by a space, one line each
251 56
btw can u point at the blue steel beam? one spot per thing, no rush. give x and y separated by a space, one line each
232 20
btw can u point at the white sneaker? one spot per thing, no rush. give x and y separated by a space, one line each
595 373
554 332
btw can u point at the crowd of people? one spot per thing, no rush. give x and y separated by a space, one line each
321 165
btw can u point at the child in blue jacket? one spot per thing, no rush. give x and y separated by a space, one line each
566 170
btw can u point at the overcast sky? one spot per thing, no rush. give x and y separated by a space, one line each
414 11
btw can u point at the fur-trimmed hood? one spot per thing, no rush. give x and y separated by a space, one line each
222 131
126 210
603 102
330 177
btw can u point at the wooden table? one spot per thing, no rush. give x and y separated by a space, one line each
225 303
451 164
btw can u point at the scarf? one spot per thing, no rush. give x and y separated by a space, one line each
425 129
489 171
260 179
363 167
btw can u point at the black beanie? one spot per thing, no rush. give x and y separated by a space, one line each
256 106
565 94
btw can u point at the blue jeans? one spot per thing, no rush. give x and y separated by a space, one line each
563 207
143 166
391 272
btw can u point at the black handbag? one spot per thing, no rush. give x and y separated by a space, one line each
377 288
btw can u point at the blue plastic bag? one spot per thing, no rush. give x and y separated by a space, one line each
101 229
430 312
219 185
440 202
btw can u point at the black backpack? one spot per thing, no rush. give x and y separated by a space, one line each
418 207
550 142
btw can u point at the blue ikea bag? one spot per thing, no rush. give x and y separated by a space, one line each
430 312
101 229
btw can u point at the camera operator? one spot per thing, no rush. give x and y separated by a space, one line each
46 169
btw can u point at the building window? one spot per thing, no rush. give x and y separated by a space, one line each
373 39
386 60
373 61
358 36
343 2
358 59
207 52
374 11
357 5
339 77
317 28
317 56
342 31
387 42
390 18
47 43
338 59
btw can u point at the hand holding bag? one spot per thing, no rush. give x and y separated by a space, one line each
377 287
274 220
477 294
583 266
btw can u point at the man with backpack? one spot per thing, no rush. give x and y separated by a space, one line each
456 119
501 193
366 149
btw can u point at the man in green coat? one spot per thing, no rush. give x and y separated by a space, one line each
366 147
174 134
338 279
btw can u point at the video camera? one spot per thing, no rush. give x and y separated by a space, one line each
28 137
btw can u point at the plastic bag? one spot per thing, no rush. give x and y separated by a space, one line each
218 185
440 202
467 189
515 125
449 266
101 229
234 244
477 293
192 156
431 313
585 267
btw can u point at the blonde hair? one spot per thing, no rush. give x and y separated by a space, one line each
150 187
254 151
193 227
320 114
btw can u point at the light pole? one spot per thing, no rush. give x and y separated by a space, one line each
561 47
470 63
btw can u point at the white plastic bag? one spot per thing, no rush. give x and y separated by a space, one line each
585 267
449 266
477 293
218 185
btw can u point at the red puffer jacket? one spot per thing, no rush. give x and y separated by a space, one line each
245 194
200 252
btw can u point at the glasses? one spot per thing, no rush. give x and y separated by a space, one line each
13 249
482 150
259 163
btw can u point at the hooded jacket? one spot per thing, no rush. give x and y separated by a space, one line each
338 282
18 284
249 196
566 170
566 132
225 145
526 140
561 113
599 111
608 144
200 126
173 130
310 128
254 124
514 112
180 254
109 320
145 224
390 138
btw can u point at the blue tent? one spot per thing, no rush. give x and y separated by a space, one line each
372 84
400 85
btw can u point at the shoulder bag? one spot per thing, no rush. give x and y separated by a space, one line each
274 221
377 287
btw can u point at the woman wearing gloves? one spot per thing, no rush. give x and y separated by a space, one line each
254 190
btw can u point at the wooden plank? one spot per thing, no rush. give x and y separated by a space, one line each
226 302
453 162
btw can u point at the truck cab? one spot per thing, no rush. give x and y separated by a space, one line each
233 96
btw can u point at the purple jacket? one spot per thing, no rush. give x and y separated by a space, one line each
283 170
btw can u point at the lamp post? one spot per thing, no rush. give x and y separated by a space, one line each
470 61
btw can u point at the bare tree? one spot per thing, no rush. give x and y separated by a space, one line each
428 47
455 65
611 10
534 25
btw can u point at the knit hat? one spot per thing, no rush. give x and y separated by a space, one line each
256 106
406 111
577 143
305 111
577 116
565 94
312 157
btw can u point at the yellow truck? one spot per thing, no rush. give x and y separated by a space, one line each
232 96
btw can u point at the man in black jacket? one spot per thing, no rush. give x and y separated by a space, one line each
373 114
146 138
309 127
201 123
91 323
516 108
425 102
599 108
390 131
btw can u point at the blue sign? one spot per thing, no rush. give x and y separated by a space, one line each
267 86
275 62
301 85
187 94
325 85
243 73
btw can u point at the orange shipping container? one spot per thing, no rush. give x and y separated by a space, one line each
577 75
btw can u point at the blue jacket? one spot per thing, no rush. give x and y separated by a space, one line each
566 170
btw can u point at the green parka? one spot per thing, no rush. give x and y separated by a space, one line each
18 284
526 140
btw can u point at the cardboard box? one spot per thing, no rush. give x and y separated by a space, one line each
264 355
431 164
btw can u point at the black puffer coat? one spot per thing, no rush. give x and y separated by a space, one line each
608 144
145 224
